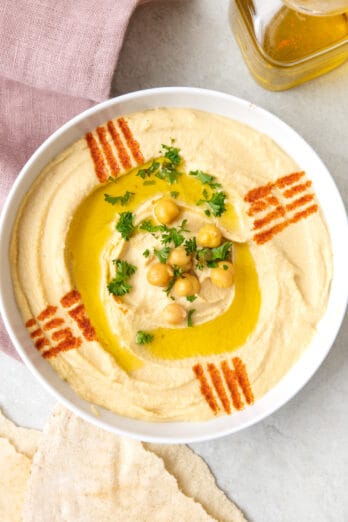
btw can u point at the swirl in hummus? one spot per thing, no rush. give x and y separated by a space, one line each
171 265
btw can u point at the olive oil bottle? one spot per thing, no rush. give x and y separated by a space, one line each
283 46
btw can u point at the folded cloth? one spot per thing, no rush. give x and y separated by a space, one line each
57 59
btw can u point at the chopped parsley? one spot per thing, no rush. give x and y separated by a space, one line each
190 245
164 168
175 235
113 179
177 273
210 256
171 153
168 173
143 337
119 284
174 194
202 256
205 179
125 225
148 226
168 234
119 199
172 235
146 253
216 202
191 298
221 252
146 173
189 317
162 254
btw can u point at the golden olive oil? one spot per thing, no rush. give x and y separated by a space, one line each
90 230
283 47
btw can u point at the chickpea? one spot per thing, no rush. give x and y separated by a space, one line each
209 236
166 211
221 276
187 284
174 313
179 257
159 274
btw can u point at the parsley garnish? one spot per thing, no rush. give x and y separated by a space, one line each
166 169
189 317
174 235
171 153
174 194
125 225
221 252
216 202
150 227
119 284
205 179
191 298
169 234
177 273
202 257
113 179
168 173
162 254
149 182
210 256
143 337
119 199
190 245
146 253
146 173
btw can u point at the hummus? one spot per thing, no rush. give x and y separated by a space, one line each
87 237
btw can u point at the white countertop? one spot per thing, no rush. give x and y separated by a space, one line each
293 466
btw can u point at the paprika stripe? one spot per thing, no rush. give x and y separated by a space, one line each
108 153
205 388
219 387
121 149
297 189
71 298
232 384
243 379
97 157
131 141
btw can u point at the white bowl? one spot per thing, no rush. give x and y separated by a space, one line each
332 208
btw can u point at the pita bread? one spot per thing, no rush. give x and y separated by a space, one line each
196 481
81 473
24 440
113 479
15 471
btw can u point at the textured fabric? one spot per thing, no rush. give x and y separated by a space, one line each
56 60
70 46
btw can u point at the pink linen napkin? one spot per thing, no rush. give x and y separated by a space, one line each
57 59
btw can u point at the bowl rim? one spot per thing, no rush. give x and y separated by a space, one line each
69 400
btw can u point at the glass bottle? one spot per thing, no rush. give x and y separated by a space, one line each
283 46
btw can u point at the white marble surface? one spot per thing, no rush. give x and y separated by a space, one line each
293 466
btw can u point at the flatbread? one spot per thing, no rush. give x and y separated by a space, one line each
196 481
89 474
15 471
24 440
81 473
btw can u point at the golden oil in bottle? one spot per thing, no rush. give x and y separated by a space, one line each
284 47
